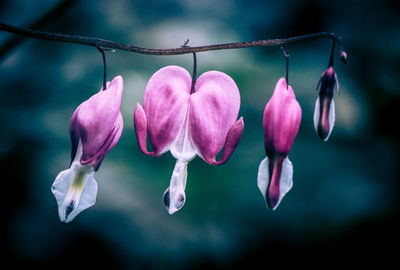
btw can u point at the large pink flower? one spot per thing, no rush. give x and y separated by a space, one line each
282 116
95 128
188 124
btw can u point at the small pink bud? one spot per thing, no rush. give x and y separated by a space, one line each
324 114
282 117
95 128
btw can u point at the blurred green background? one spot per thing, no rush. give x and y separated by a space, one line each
345 197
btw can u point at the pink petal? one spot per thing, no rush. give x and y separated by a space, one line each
324 117
232 141
98 123
74 134
214 108
165 105
140 124
109 143
282 116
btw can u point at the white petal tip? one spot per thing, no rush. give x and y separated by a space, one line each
75 190
285 181
173 204
172 211
174 197
263 177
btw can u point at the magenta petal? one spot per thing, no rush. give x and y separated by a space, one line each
140 124
232 141
273 191
109 143
98 124
214 107
282 116
326 118
165 105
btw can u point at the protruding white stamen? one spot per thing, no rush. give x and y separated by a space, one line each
174 196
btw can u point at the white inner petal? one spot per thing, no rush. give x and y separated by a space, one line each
331 118
285 181
263 177
75 189
316 115
182 148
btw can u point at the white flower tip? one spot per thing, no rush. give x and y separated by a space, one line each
284 185
263 177
75 190
174 197
173 204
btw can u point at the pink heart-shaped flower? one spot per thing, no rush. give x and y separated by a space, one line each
188 124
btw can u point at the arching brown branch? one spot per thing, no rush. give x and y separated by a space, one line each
91 41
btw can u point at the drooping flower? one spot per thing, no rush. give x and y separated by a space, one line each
324 113
188 124
96 126
281 121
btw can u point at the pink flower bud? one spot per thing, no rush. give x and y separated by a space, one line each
95 128
324 113
282 116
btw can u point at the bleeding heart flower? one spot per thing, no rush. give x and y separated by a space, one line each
282 116
95 128
324 114
188 124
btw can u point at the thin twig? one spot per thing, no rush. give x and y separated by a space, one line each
91 41
48 18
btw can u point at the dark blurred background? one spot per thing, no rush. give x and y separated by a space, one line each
344 204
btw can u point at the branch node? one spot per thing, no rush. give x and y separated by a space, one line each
185 44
